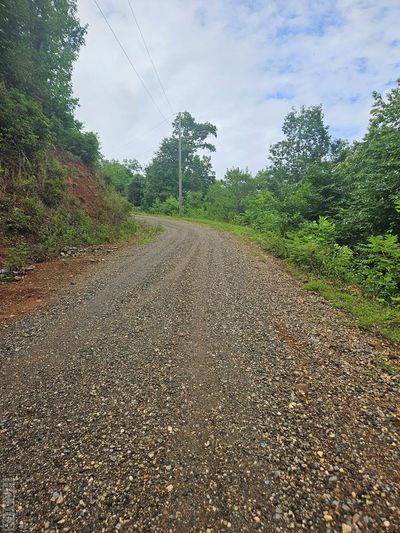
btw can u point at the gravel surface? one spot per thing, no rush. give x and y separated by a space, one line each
189 385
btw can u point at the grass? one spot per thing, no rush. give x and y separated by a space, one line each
368 314
383 365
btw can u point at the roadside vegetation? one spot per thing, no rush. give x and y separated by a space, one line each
325 206
54 190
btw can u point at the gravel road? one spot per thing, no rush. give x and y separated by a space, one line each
191 385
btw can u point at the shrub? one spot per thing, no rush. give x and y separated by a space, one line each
314 246
18 255
194 205
24 129
116 208
379 267
53 186
170 206
261 212
84 144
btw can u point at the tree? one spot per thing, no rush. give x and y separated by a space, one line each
219 202
306 142
39 41
162 172
124 178
240 183
372 174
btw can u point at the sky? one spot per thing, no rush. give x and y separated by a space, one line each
239 64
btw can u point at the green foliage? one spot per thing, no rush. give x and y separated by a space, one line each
18 255
306 142
371 172
262 212
116 175
314 247
161 175
379 267
219 203
194 204
116 208
170 206
39 41
24 129
368 314
125 178
52 186
320 198
84 144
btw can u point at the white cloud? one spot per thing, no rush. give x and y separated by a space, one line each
240 64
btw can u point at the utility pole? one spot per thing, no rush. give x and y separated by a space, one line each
180 167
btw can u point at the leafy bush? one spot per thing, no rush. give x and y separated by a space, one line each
194 205
24 129
116 208
53 186
84 144
18 255
170 206
379 267
17 221
314 247
262 212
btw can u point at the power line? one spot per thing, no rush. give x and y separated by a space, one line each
139 137
148 53
130 62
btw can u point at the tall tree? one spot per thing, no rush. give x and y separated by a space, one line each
372 173
306 142
39 41
162 172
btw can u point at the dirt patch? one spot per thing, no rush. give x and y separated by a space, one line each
82 185
39 287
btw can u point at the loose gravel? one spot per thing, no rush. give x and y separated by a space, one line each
188 385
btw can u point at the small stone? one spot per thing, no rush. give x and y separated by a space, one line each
346 528
170 488
303 388
60 499
386 523
328 517
320 454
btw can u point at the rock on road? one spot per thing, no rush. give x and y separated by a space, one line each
189 385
